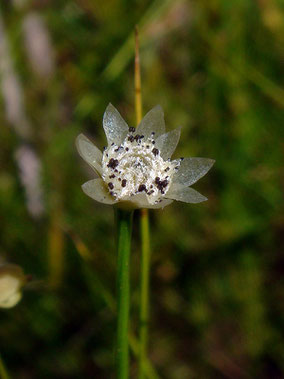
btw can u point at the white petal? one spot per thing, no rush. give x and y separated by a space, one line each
137 201
186 194
152 122
114 125
167 143
97 190
162 204
89 152
192 169
141 201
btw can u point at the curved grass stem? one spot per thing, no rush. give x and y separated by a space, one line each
3 371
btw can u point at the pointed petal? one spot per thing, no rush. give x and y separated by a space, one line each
186 194
167 143
114 125
152 122
192 169
89 152
97 190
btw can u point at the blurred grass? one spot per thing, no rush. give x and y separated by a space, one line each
217 276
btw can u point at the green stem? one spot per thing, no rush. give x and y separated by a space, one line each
144 291
3 371
124 223
96 286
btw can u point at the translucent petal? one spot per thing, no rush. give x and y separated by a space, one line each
97 190
186 194
137 201
114 126
152 122
167 143
192 169
89 152
162 204
141 201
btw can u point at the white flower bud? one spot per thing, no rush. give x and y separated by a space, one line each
12 279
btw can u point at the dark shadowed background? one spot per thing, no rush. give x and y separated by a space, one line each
217 298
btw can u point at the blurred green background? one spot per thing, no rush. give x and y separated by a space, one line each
217 298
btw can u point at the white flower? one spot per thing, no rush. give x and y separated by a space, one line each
12 279
135 169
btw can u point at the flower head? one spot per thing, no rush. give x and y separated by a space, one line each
135 169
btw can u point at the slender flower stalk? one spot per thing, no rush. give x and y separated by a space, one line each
137 80
144 290
145 235
124 224
96 284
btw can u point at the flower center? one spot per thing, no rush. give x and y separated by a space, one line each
136 167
